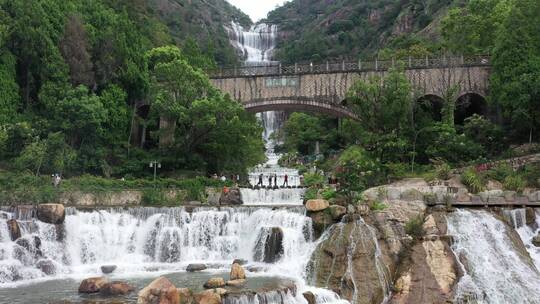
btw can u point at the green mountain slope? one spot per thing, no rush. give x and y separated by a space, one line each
319 29
203 20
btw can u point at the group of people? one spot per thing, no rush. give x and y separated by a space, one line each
274 179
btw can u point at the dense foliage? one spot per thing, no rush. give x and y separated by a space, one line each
76 80
318 30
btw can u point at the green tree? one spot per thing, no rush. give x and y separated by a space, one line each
472 29
516 68
302 132
384 105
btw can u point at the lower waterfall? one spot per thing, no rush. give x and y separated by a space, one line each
494 269
526 232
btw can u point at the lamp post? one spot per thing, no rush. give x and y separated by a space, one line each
155 164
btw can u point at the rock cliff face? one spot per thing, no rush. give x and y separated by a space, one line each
402 254
322 29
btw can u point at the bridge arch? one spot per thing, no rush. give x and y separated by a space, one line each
430 106
300 105
467 105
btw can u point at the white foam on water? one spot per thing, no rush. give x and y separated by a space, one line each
494 272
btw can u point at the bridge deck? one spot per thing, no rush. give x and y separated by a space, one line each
274 69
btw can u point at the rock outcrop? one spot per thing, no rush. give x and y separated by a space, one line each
51 213
269 247
536 240
195 267
92 285
237 272
212 296
429 272
315 205
108 268
231 197
116 288
46 266
348 262
14 229
160 291
214 283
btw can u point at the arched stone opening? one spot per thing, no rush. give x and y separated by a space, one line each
467 105
429 107
300 106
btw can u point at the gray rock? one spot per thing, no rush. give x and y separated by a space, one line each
14 229
536 240
310 297
46 266
232 197
51 213
108 268
269 246
195 267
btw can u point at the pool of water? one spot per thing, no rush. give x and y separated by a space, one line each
66 290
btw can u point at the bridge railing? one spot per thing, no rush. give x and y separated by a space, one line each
348 66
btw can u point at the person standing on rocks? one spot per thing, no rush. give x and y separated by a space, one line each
270 177
260 183
285 181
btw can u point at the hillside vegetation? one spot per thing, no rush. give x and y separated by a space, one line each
320 29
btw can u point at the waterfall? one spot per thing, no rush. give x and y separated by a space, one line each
494 271
518 219
139 239
256 47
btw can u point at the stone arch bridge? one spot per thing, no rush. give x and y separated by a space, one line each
323 87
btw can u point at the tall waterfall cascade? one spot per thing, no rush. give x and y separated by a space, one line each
256 46
526 232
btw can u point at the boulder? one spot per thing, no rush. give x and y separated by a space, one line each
240 262
46 266
315 205
536 240
92 285
51 213
337 212
214 283
237 272
269 246
236 283
208 297
160 291
412 195
321 220
212 195
108 268
362 209
116 288
310 297
232 197
186 295
530 216
195 267
14 229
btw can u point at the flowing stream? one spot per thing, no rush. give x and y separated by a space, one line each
495 270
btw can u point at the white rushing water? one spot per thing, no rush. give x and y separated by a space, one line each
256 46
140 239
526 232
494 272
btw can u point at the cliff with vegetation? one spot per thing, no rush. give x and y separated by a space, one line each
315 29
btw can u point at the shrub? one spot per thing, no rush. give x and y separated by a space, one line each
430 198
329 193
473 181
310 193
443 171
500 172
414 227
313 180
514 183
377 206
154 197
